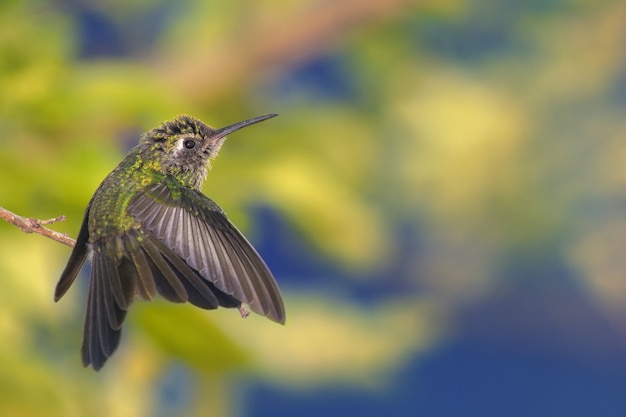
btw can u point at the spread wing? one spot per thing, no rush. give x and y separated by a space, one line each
191 226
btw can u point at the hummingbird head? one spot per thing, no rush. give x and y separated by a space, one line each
184 146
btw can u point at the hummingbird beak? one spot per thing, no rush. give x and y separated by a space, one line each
220 133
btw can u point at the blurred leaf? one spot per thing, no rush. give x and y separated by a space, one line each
185 333
333 341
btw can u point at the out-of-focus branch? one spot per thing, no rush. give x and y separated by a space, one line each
30 225
206 72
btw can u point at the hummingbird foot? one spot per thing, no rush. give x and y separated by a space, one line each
243 310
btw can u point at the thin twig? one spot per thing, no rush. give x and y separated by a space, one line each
30 225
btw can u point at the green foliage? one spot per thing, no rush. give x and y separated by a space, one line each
186 333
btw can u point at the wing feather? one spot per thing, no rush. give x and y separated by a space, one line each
235 268
217 257
76 260
145 281
239 269
200 292
195 229
261 301
169 284
185 236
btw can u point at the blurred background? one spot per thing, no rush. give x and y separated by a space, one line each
442 201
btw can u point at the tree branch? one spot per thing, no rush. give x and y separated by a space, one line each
30 225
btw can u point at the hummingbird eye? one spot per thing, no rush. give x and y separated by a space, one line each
189 143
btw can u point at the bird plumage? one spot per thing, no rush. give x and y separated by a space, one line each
151 231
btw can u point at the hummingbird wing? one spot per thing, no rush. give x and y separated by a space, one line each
186 227
76 261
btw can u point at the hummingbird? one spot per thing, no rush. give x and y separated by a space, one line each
149 230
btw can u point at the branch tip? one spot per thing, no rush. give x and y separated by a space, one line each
32 225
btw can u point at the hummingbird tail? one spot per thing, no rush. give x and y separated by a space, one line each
147 267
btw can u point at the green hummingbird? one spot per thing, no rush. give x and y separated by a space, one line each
149 230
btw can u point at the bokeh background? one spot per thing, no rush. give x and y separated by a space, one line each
442 200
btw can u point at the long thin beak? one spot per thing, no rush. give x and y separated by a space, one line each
220 133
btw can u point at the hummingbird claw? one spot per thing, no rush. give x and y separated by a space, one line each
243 310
